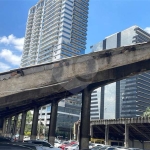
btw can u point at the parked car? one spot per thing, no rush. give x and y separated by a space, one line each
26 138
37 146
111 148
73 142
134 149
15 138
91 145
121 148
97 147
4 139
98 144
104 147
64 144
11 146
57 143
39 142
72 147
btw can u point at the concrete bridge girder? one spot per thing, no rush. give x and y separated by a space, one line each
45 82
38 85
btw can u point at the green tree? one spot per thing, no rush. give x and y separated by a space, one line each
29 117
147 112
28 126
41 128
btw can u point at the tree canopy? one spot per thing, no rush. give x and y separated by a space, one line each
147 112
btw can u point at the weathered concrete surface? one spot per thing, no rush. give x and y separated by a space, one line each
52 124
23 88
85 119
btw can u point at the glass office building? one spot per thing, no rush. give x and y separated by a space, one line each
56 29
95 104
128 97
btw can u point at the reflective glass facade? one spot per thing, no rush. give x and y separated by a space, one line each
95 104
128 97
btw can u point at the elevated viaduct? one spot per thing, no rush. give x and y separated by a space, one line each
133 131
28 88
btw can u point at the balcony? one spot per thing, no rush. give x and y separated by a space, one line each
45 53
52 7
25 60
52 42
50 14
53 26
49 34
38 19
49 21
35 40
27 40
38 15
50 38
50 11
29 25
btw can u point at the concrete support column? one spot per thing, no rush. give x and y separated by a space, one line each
35 123
132 143
4 127
22 128
91 131
9 127
15 125
106 134
1 125
52 124
78 134
143 146
85 120
126 139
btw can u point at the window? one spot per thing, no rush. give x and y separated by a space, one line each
44 108
48 108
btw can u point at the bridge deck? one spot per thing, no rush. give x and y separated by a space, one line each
138 128
23 88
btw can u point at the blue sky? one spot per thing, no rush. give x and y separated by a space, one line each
105 18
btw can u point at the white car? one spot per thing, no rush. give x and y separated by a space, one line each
98 144
134 149
26 138
72 147
91 145
76 147
45 145
50 148
36 146
57 143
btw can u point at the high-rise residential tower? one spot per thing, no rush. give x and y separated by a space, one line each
56 29
128 97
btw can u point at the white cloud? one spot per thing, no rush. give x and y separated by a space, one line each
10 57
4 67
147 29
11 39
